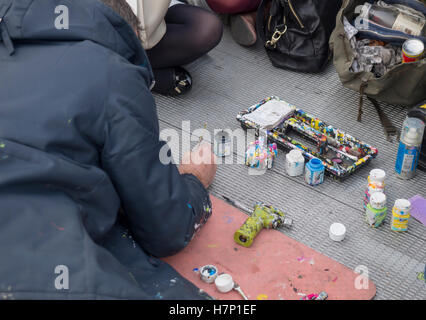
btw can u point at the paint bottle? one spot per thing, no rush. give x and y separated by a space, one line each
376 183
376 210
400 215
222 144
314 172
409 148
295 163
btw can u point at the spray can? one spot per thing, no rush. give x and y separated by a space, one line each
376 210
314 173
409 148
400 215
376 183
295 163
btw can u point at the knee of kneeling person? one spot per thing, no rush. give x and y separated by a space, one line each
209 33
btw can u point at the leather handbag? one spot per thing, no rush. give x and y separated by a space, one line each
296 33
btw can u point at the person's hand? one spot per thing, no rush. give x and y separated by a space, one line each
201 162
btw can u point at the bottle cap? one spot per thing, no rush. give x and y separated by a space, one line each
224 283
403 204
337 232
377 175
316 164
295 155
413 130
378 200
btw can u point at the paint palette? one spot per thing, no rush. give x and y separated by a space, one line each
340 153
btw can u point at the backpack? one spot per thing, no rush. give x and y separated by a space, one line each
404 84
296 33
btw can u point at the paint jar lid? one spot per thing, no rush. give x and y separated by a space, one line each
378 200
295 155
316 163
403 204
377 175
224 283
337 232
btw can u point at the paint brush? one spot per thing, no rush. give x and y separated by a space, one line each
238 205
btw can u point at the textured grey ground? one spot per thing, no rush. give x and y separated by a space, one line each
232 78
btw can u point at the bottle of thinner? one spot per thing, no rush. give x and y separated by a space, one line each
409 148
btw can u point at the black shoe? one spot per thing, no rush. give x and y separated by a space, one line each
172 81
183 82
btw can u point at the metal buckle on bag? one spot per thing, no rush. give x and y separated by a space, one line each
276 37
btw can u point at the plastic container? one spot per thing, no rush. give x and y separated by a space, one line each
208 273
400 215
376 210
337 232
376 183
224 283
409 148
314 172
295 163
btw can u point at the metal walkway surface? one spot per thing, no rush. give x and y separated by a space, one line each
232 78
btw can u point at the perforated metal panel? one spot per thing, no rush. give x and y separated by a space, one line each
232 78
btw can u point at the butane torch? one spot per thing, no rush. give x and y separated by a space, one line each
263 216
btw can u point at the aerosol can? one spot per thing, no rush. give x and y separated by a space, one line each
409 148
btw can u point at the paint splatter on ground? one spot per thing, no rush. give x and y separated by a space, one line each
302 258
228 219
262 297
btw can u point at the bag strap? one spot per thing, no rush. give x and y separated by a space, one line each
260 21
387 125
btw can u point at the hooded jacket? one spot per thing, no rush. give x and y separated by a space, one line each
79 139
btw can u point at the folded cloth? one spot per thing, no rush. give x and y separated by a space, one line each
418 208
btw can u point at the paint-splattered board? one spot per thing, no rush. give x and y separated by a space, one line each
275 267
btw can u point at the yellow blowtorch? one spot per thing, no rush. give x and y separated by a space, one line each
263 216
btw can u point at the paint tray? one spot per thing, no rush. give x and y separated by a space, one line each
340 153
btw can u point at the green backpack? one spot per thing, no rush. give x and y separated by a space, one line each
404 84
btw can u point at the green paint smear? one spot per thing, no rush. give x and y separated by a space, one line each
421 276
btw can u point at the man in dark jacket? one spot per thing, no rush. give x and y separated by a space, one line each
79 139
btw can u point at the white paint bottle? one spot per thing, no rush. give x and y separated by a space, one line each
376 183
295 163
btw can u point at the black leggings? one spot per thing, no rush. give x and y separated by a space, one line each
191 33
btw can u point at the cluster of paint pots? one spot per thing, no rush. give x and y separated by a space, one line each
295 166
375 204
223 281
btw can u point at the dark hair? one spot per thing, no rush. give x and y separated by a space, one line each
126 12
